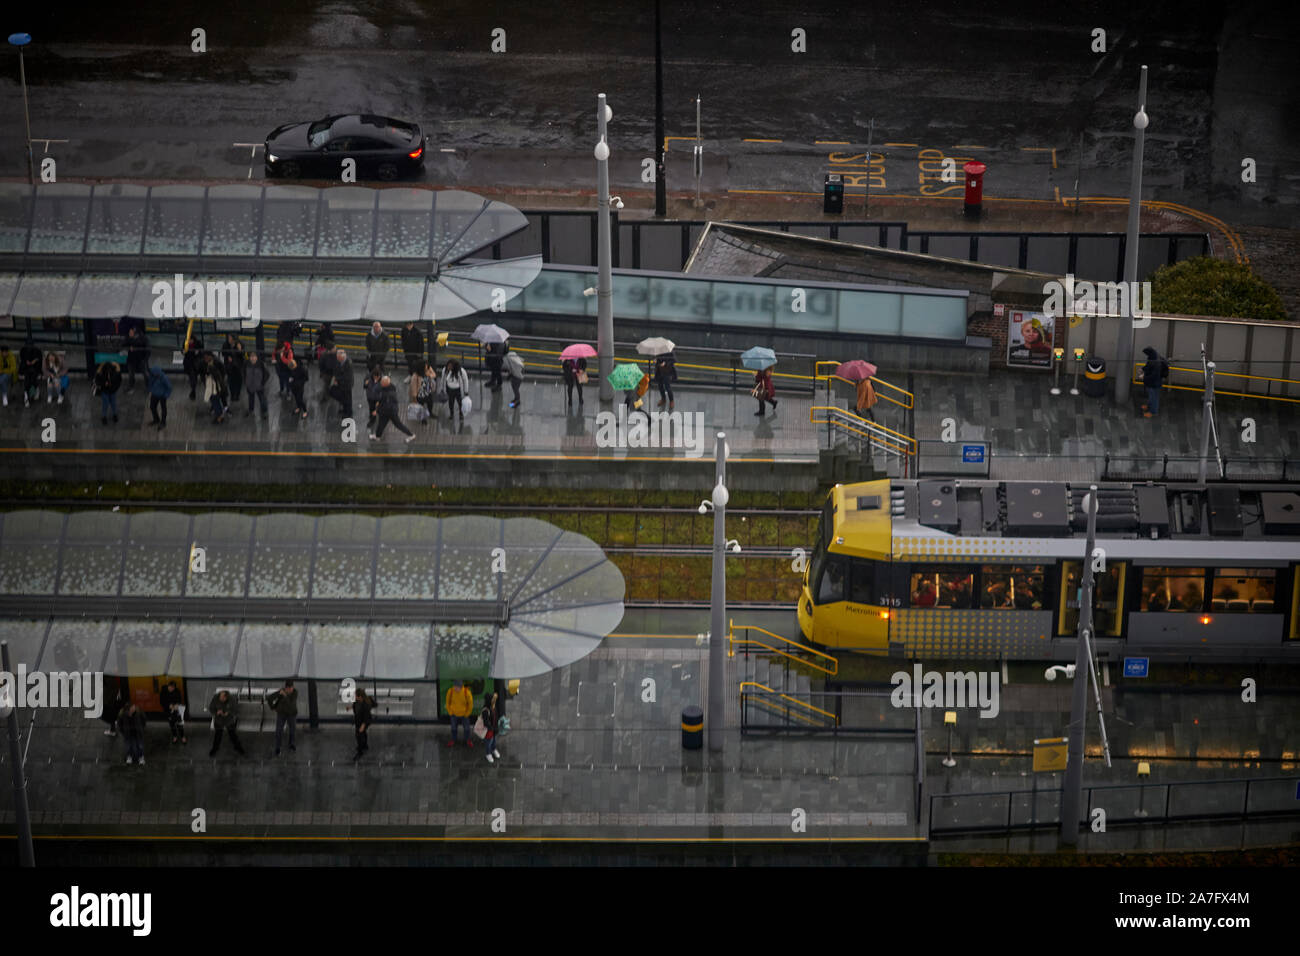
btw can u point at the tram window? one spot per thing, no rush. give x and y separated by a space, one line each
941 587
1012 587
862 582
1243 590
831 586
1173 589
1105 599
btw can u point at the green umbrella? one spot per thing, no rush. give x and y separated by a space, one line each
625 376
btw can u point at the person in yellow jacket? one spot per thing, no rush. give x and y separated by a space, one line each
460 704
866 399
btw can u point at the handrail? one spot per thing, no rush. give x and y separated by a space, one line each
733 640
793 700
1137 380
907 445
910 401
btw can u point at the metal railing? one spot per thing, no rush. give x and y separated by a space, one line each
1218 374
761 697
905 398
832 668
1234 469
877 437
1183 801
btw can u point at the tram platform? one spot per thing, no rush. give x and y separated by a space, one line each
593 756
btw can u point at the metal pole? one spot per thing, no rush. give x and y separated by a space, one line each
26 855
1078 173
1209 417
661 188
604 255
27 120
1079 698
1124 353
718 634
699 151
866 194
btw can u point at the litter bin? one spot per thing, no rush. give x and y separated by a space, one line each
692 728
1094 377
974 187
833 194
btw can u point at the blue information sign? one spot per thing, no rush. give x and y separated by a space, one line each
972 454
1136 666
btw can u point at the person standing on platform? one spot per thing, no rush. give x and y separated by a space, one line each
192 363
867 399
326 363
460 705
56 377
1154 373
160 389
665 375
457 385
255 380
389 412
282 357
515 370
215 389
361 711
377 346
413 347
113 702
8 372
137 355
489 716
424 386
298 386
285 704
224 720
232 361
173 705
131 723
764 391
374 392
574 372
493 359
108 379
29 371
340 388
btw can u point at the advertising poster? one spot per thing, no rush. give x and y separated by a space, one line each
1029 339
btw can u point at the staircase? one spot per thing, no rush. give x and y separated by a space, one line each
776 694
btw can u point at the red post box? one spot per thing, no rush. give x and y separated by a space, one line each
974 187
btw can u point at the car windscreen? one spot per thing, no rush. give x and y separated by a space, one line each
318 134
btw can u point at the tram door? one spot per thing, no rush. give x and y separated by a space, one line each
1107 599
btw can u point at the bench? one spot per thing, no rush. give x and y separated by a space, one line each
387 701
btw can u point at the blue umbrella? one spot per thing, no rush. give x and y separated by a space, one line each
758 358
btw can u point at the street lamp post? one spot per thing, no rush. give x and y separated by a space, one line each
718 606
21 40
1124 353
661 187
1079 700
604 276
9 710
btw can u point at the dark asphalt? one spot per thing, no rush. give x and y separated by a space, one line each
1017 79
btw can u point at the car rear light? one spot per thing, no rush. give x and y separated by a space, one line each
418 152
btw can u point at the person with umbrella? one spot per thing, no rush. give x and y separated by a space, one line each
573 367
860 373
629 378
665 375
761 361
494 337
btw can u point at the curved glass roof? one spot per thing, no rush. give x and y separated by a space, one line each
280 595
321 254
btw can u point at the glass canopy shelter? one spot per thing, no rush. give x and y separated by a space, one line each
330 254
290 595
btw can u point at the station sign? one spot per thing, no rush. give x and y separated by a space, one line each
972 454
1136 666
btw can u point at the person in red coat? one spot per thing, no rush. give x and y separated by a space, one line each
764 391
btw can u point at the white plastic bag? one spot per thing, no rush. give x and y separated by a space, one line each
466 405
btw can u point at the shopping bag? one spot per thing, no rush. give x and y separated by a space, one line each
415 412
582 376
466 405
503 726
480 728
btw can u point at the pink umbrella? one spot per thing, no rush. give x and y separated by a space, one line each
855 371
577 351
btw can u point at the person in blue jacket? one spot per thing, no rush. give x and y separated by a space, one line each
160 389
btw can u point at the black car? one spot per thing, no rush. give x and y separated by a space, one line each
384 148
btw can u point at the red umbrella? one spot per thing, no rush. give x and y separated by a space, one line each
855 371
